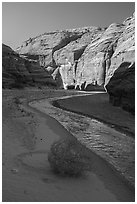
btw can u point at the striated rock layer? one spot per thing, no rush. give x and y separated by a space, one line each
18 72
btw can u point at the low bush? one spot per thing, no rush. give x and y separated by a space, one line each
65 158
17 101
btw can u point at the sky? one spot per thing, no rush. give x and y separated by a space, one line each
22 20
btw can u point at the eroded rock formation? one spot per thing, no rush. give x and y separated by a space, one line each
93 53
20 72
52 50
121 87
44 46
120 77
91 68
84 58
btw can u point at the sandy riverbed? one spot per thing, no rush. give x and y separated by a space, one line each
27 137
98 106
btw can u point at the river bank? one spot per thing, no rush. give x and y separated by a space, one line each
97 106
27 136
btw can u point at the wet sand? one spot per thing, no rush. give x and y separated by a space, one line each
27 137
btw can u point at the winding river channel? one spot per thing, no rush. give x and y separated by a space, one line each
31 179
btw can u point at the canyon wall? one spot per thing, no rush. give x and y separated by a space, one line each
56 51
19 72
120 77
88 58
84 57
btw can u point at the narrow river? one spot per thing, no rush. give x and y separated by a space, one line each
31 178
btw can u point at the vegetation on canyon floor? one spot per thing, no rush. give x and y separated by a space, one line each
66 158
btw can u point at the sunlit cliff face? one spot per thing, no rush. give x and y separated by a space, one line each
66 72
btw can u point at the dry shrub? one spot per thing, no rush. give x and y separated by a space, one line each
65 157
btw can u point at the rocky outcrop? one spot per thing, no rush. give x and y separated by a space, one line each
92 52
86 58
121 87
75 49
19 72
52 49
44 46
125 49
91 68
120 77
105 54
65 72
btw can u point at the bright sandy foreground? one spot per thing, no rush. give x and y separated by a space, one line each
27 137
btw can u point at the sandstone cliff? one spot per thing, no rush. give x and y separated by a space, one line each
52 49
86 58
91 52
120 77
20 72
